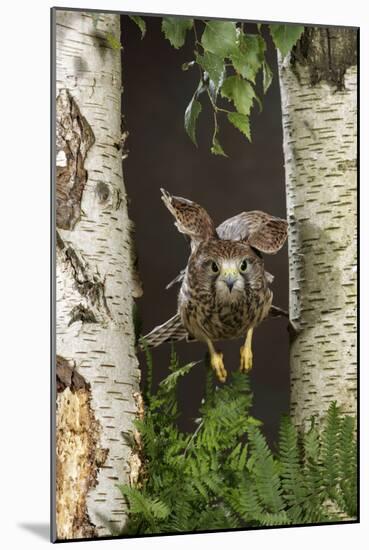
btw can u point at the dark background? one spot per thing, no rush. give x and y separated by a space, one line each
160 154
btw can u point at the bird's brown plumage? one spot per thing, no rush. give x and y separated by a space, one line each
208 309
224 292
264 232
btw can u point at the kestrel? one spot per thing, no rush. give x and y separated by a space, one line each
224 292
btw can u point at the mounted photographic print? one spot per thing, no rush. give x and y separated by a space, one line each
204 216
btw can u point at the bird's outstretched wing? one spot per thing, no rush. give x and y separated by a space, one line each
191 218
261 230
170 331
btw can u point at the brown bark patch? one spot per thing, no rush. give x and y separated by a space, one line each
78 453
67 376
74 137
328 52
102 192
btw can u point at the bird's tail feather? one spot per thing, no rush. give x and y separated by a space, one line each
170 331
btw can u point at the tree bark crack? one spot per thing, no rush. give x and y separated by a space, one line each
89 285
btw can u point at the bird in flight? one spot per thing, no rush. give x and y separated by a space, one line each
224 291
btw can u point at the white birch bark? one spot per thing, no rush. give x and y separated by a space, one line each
95 332
318 90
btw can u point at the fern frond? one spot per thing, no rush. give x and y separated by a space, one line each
294 491
347 465
150 508
264 471
329 449
170 382
225 475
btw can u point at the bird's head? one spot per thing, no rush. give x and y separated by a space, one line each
227 268
230 273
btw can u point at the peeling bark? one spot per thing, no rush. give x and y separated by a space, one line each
67 376
78 454
74 137
319 91
97 368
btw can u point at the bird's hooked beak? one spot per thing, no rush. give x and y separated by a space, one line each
229 276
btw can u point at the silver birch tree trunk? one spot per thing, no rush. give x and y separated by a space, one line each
318 82
97 369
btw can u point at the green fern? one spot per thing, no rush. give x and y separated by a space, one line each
329 449
347 461
292 479
264 472
225 476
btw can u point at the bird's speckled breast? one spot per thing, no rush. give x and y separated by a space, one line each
220 320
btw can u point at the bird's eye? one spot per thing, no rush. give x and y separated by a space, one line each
214 267
243 266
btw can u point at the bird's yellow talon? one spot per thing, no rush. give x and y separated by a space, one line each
246 353
246 358
216 361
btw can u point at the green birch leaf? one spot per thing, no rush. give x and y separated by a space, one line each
175 28
191 114
249 57
267 77
140 23
285 36
241 122
240 92
213 65
220 38
216 148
